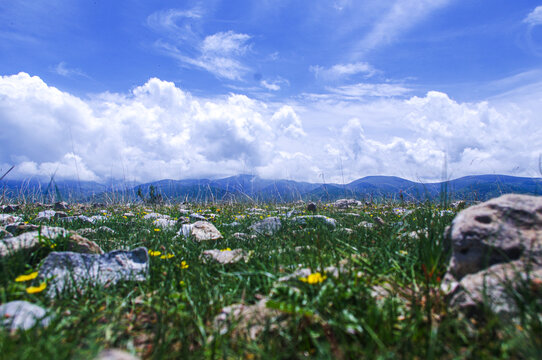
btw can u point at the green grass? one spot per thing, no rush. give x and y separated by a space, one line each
171 314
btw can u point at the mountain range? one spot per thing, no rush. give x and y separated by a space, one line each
253 188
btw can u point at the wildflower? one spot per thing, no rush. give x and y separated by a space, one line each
184 265
226 249
167 256
124 216
261 217
154 253
30 276
403 252
156 230
36 289
52 246
314 278
182 283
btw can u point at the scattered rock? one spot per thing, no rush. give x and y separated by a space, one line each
154 215
379 221
268 226
82 245
200 231
366 225
497 231
346 203
22 315
496 247
6 219
4 234
129 214
198 217
86 231
61 206
304 220
45 215
183 220
248 321
106 229
225 256
458 205
115 354
60 215
233 224
311 207
293 213
21 227
164 223
352 214
243 236
10 208
29 241
67 270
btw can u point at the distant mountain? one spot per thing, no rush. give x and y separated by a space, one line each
253 188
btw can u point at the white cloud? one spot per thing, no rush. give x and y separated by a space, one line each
401 16
360 91
62 69
159 131
535 17
220 53
338 71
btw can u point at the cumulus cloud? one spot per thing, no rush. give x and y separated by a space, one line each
159 131
535 17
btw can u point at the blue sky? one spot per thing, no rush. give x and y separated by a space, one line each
288 89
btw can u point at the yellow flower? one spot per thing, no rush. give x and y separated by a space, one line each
182 283
154 253
261 217
124 216
226 249
53 246
30 276
36 289
313 278
403 252
184 265
156 229
167 256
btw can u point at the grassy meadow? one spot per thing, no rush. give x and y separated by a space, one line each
385 303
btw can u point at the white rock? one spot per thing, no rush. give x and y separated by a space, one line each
22 315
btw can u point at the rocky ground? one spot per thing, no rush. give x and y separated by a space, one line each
339 280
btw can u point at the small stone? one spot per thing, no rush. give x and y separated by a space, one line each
10 208
6 219
61 206
22 315
304 220
346 203
21 227
82 245
183 220
45 215
268 226
67 270
60 215
164 223
105 229
198 216
154 215
248 321
29 241
225 256
200 231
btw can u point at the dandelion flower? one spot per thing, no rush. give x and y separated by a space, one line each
167 256
314 278
30 276
36 289
156 229
403 252
154 253
182 283
226 249
184 265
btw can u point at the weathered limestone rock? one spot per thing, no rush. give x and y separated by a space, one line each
6 219
268 226
496 248
346 203
311 207
304 220
67 270
164 223
248 321
29 241
21 227
10 208
200 231
497 231
225 256
61 206
22 315
154 215
82 245
45 215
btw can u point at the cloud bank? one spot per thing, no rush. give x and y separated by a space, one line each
159 131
